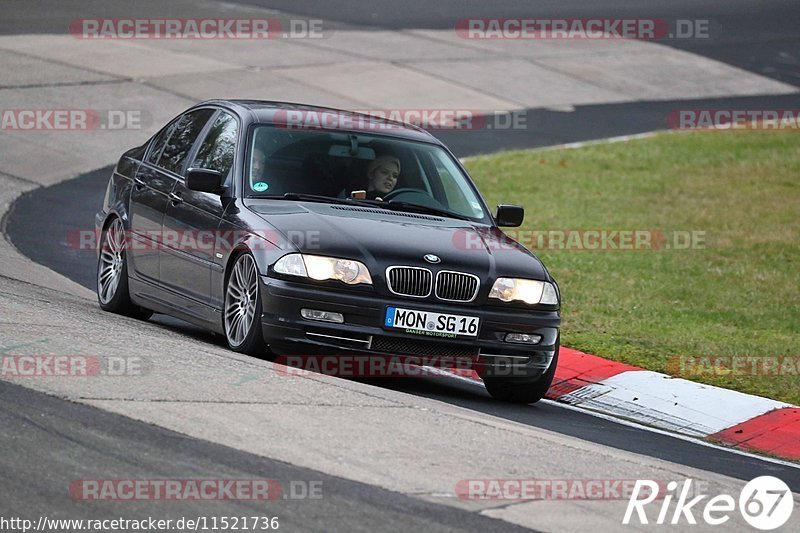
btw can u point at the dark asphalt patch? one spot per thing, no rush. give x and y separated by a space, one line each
48 443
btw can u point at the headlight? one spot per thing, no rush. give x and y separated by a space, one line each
527 290
323 268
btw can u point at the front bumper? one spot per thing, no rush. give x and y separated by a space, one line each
364 333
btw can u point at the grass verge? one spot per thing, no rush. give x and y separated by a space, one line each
699 311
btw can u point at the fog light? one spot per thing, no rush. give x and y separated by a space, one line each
523 338
322 316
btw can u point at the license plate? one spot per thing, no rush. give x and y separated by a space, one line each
433 324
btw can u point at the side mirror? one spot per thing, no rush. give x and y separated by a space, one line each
204 180
509 216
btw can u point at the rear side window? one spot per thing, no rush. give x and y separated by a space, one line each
182 138
219 146
159 142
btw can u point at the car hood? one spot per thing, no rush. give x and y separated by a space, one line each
381 238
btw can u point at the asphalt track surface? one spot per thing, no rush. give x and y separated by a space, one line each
85 194
90 443
761 37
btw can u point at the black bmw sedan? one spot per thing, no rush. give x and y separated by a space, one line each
294 229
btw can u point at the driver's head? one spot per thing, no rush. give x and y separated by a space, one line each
258 164
382 173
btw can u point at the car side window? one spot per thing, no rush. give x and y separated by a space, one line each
182 138
219 146
159 142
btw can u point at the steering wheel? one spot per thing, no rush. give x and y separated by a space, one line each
405 190
413 196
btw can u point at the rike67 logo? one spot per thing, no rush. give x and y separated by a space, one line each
765 503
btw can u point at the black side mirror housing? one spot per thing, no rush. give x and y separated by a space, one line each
204 180
509 216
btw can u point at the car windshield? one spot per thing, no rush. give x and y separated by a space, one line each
399 174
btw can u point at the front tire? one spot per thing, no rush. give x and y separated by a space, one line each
523 392
112 274
242 310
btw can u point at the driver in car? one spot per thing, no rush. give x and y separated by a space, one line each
258 165
382 174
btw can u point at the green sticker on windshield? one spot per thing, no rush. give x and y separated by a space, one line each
260 186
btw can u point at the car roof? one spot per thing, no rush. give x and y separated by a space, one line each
271 112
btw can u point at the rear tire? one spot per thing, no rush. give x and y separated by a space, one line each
241 317
523 392
112 274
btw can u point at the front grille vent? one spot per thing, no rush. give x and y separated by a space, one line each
456 286
409 281
403 346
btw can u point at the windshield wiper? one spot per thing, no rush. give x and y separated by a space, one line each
408 206
303 197
391 205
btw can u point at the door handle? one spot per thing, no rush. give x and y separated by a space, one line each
175 198
138 183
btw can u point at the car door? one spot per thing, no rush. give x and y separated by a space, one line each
148 202
196 216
